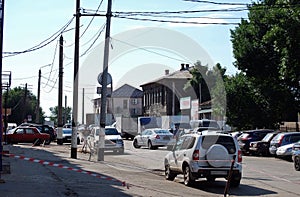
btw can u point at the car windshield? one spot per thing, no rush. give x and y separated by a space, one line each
162 132
111 131
267 137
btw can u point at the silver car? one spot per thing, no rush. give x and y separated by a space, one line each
209 155
153 138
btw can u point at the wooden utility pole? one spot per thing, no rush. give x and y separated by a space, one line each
75 84
104 84
37 119
1 50
60 91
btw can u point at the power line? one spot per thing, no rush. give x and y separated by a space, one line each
99 34
180 22
43 43
217 3
150 51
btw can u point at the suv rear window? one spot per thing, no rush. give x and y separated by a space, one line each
226 141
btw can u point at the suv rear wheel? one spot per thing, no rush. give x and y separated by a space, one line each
297 163
188 179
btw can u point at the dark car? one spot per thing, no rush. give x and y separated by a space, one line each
24 134
43 129
250 136
262 147
282 139
296 156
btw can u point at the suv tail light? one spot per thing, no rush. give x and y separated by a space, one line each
157 137
240 158
196 155
280 140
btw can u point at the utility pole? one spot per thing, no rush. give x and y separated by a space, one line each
104 85
82 106
1 51
60 91
37 119
24 103
65 112
75 84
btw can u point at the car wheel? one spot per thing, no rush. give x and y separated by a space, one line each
235 183
150 146
121 151
135 144
188 180
78 141
297 163
169 175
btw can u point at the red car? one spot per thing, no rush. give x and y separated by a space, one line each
28 135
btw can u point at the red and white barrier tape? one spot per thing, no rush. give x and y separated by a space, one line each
66 167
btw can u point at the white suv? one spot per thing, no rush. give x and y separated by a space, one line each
208 154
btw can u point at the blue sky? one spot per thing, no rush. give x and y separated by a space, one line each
29 22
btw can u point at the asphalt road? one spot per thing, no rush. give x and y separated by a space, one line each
140 170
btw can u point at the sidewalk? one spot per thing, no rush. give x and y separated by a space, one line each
44 173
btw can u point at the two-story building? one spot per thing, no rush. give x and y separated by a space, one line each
162 96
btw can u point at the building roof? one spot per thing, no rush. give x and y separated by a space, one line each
127 91
183 73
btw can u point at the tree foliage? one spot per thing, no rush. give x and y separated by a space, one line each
266 48
20 107
66 114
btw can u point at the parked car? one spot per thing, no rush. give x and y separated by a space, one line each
153 138
296 156
67 135
285 151
282 139
250 136
205 155
262 147
236 134
24 134
43 129
113 140
204 123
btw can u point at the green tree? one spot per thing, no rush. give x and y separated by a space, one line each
246 106
20 107
266 48
66 113
201 81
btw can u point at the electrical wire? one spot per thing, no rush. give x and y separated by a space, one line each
99 34
55 51
43 43
150 51
217 3
180 22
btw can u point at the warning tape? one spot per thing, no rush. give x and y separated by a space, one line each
66 167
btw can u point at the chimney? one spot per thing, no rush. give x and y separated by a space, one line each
167 72
187 66
182 67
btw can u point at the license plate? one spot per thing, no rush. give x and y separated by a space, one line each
218 172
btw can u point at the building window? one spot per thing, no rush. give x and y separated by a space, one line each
134 101
134 111
125 104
